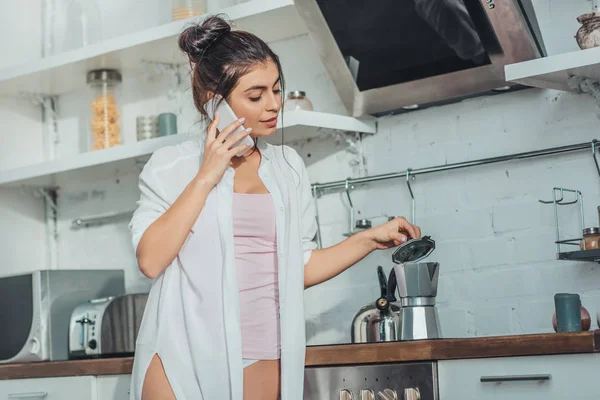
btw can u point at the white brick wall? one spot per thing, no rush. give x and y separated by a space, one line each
495 240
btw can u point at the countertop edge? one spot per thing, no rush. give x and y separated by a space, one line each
348 354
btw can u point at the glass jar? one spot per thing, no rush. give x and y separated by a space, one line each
105 128
183 9
147 127
83 26
297 100
591 239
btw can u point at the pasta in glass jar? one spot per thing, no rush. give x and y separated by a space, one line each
104 121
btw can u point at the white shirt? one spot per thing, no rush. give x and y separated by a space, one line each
192 317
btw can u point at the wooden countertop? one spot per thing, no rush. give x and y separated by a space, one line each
422 350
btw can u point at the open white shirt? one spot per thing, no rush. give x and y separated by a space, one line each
192 317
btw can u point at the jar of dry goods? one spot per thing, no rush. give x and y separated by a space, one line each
105 126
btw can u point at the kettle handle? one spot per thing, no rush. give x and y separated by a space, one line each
391 286
382 281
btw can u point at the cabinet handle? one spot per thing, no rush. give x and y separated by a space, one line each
515 378
31 395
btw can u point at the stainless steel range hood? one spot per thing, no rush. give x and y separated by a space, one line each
389 55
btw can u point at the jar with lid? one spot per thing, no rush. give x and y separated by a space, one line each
591 239
105 130
183 9
297 100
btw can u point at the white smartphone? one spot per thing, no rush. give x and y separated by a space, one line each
227 116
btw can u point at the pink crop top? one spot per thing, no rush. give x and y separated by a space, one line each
256 262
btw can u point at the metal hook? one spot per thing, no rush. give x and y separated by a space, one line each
348 187
412 196
594 155
348 191
315 194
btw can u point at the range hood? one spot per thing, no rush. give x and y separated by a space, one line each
390 55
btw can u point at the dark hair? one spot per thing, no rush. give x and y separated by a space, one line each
219 57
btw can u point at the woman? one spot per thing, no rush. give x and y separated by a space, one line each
229 240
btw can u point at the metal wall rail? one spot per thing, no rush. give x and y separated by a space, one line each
319 188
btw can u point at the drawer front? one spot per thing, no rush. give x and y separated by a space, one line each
520 378
113 387
67 388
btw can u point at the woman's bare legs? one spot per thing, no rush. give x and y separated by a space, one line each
262 381
156 385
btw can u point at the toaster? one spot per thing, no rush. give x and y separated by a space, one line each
106 327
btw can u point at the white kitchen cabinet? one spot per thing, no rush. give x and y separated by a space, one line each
66 388
113 387
556 377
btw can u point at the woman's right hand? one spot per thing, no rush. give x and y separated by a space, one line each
218 151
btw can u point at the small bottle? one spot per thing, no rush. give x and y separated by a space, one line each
183 9
297 100
104 120
591 239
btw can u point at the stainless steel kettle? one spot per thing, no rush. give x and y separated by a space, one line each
379 321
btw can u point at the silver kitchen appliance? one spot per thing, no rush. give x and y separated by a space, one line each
36 307
405 381
393 56
106 327
379 321
417 287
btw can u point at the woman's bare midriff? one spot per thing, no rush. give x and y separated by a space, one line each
261 381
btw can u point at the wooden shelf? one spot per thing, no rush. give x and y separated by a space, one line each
66 72
552 72
298 125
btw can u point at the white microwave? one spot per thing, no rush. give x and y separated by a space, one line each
35 309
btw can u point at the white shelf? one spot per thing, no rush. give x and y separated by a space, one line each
299 125
303 125
62 73
552 72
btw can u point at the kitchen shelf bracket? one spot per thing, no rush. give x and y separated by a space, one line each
585 85
49 195
49 106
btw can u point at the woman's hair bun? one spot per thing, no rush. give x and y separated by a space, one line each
197 39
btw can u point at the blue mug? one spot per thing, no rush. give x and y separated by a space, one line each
568 312
167 124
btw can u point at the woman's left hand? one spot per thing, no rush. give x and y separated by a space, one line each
393 233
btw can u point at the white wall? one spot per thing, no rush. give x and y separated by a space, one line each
22 230
495 242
